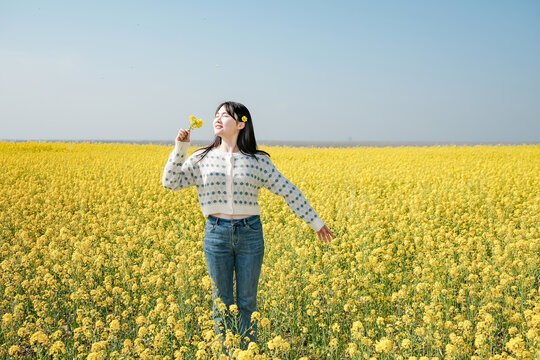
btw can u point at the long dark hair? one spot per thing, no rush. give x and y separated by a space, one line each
246 138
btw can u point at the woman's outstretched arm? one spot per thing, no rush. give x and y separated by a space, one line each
280 185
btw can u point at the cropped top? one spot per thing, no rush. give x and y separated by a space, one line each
229 183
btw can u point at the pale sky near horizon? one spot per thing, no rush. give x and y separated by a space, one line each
307 70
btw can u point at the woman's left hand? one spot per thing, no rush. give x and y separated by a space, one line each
325 234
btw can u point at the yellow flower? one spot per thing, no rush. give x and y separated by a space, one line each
140 320
194 122
406 343
220 305
200 354
278 343
128 344
57 347
265 322
531 334
351 349
516 345
39 337
451 350
244 119
142 332
115 325
384 345
7 318
14 349
255 316
99 346
244 355
253 347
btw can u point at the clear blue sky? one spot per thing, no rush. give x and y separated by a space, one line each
307 70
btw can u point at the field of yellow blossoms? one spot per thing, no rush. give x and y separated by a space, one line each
436 256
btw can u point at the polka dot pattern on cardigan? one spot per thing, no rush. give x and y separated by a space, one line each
229 183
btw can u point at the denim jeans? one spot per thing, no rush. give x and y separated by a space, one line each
234 245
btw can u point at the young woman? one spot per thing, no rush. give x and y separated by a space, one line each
228 175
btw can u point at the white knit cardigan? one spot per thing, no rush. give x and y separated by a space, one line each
229 183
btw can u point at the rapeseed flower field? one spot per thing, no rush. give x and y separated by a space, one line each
436 256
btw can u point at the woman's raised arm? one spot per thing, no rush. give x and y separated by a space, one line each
178 173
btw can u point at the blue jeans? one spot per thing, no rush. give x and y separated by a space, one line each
234 245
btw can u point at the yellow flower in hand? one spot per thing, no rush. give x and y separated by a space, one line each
194 123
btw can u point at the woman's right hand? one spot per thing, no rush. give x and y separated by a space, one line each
183 135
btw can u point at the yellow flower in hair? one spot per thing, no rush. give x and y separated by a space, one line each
244 119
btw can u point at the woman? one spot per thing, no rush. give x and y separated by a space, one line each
228 175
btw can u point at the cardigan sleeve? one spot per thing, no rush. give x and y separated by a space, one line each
280 185
178 173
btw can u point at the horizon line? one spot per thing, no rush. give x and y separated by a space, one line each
292 143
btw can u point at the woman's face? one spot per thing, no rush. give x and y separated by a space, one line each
224 124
